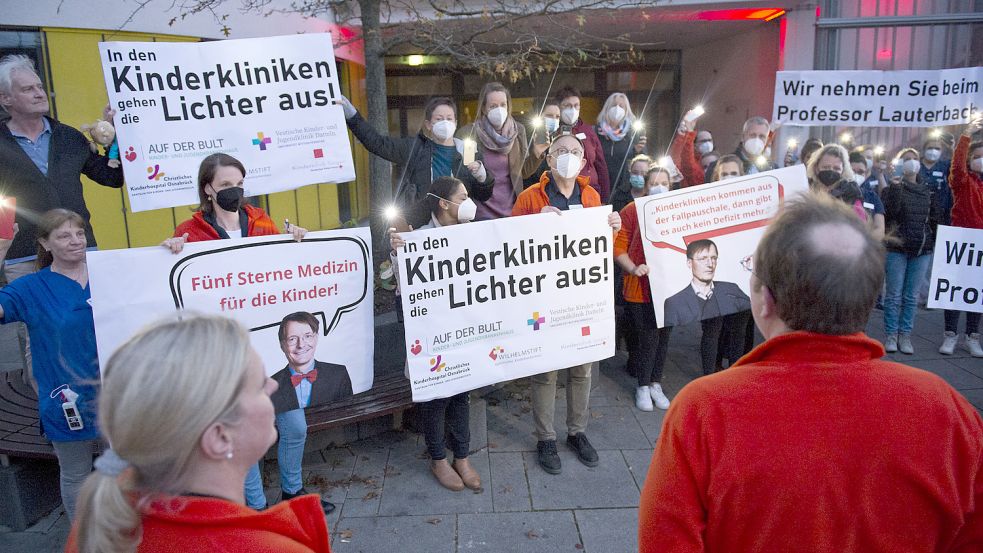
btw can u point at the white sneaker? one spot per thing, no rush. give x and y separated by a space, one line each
904 344
660 399
891 344
973 345
949 340
643 400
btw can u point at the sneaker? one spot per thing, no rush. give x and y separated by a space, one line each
585 452
643 399
660 399
949 340
904 344
973 345
891 344
327 506
547 456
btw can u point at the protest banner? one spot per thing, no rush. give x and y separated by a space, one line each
878 98
707 234
266 101
257 281
498 300
957 270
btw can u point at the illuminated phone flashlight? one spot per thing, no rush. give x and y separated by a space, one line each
935 133
846 138
693 114
665 161
792 144
391 213
537 122
878 150
761 161
638 125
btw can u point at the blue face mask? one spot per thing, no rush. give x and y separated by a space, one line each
636 181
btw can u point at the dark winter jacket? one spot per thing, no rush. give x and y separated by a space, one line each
413 159
69 157
911 216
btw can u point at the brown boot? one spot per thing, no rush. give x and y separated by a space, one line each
468 475
446 475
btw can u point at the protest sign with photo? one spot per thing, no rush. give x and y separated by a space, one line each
265 101
957 270
699 242
323 282
498 300
925 98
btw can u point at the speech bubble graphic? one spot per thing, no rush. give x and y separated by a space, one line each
260 283
679 218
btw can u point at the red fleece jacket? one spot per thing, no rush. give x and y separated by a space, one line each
193 524
813 443
967 189
199 230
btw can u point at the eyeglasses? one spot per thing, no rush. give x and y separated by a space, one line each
560 151
294 341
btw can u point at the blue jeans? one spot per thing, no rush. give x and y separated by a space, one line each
904 275
292 427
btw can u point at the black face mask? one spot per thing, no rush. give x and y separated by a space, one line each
230 199
828 178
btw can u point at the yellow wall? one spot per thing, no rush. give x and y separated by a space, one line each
78 94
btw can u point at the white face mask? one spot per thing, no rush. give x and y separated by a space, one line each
933 154
704 147
466 211
869 161
442 130
911 166
859 179
658 189
754 146
616 114
570 115
497 116
568 165
977 165
551 124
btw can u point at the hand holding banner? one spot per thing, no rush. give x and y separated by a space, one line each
499 300
957 270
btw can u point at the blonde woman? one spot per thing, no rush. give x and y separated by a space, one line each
619 139
182 441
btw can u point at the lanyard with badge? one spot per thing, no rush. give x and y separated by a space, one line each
68 406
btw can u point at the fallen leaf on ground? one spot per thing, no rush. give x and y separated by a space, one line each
434 521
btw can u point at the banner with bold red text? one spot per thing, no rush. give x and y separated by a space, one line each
262 282
699 242
265 101
493 301
923 98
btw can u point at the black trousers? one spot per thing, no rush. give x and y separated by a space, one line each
952 321
725 337
450 416
647 357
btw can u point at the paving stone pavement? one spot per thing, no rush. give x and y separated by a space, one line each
388 501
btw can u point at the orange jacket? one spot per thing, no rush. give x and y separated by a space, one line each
533 199
629 241
199 230
183 524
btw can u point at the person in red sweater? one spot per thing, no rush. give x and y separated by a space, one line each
812 442
558 190
683 153
595 167
966 184
183 439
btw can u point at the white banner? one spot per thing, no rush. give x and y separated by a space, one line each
265 101
257 281
498 300
702 239
957 270
926 98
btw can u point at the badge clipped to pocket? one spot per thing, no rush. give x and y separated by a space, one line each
69 406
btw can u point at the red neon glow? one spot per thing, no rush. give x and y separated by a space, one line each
742 14
884 54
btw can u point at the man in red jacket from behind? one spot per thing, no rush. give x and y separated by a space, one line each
811 442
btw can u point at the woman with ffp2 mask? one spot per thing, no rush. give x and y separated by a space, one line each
448 204
502 143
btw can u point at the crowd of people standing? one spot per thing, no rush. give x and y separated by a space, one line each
561 162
